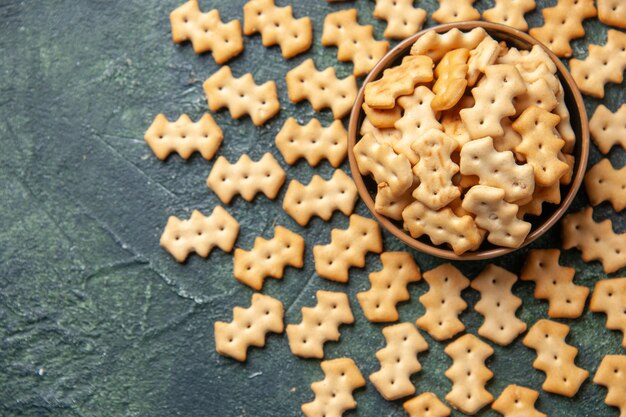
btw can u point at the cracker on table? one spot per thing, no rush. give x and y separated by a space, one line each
516 401
510 13
403 20
612 374
608 129
612 12
313 142
609 297
426 405
455 11
605 183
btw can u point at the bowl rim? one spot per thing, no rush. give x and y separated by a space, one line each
402 49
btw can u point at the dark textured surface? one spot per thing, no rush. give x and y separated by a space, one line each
95 318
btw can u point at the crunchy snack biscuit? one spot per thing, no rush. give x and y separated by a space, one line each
206 31
509 138
455 11
596 241
605 183
312 142
242 96
443 302
184 136
498 305
468 374
388 136
403 20
607 129
321 88
354 42
382 118
436 45
612 12
539 94
246 177
570 160
249 327
612 374
534 207
320 197
390 205
450 74
333 395
603 64
347 248
426 405
562 23
320 324
398 361
516 401
528 60
268 258
555 357
510 12
199 234
609 297
565 126
389 286
452 124
485 54
277 26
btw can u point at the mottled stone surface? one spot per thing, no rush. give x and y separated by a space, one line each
95 318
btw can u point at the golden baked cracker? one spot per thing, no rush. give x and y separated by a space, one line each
390 205
562 24
526 61
268 258
199 234
320 197
452 124
612 12
494 96
246 177
510 13
443 302
347 248
555 357
509 138
403 20
468 374
388 136
608 129
605 183
612 374
277 26
497 169
319 324
184 136
609 297
485 54
596 241
382 118
570 160
450 74
321 88
242 96
455 11
398 361
206 31
312 142
540 145
435 169
565 126
539 94
426 405
333 395
389 286
442 226
354 42
498 305
398 81
541 195
516 401
383 164
436 45
249 327
603 64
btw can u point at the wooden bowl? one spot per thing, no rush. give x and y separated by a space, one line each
541 224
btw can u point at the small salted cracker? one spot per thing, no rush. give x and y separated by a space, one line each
497 305
554 283
609 297
455 11
605 183
539 94
562 24
468 374
184 136
450 74
612 12
485 54
319 324
603 64
321 88
426 405
333 395
398 361
516 401
382 118
277 25
347 248
555 357
608 129
391 205
534 207
354 42
443 302
509 138
199 234
320 197
389 286
403 20
510 12
596 241
452 124
206 31
249 327
312 142
612 374
436 45
246 177
268 258
388 136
